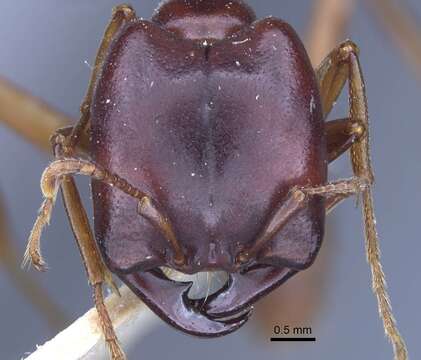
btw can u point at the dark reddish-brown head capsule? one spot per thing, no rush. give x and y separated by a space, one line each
215 116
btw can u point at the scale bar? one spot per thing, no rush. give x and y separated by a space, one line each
292 339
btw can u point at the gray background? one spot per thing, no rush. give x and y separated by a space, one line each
43 46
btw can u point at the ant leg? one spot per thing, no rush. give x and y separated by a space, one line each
97 272
66 146
94 265
295 201
343 64
332 74
122 14
29 116
57 173
360 159
34 120
341 134
328 23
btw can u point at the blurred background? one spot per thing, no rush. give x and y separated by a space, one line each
46 48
